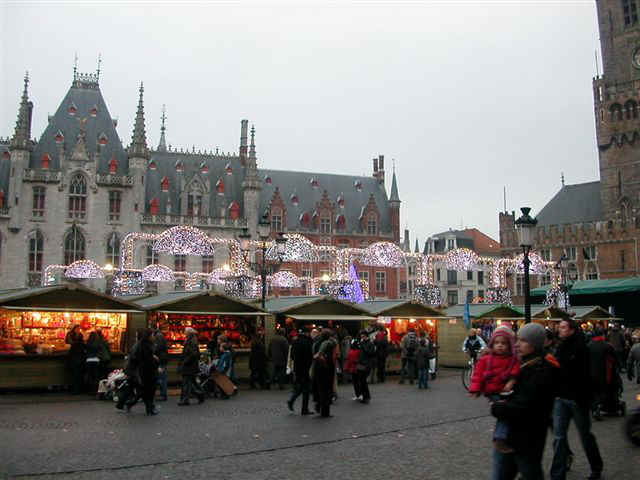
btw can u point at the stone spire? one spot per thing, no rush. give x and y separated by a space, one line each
21 137
162 146
394 188
417 247
251 178
138 147
252 149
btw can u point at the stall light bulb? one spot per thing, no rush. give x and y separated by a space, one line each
412 320
36 315
108 267
226 267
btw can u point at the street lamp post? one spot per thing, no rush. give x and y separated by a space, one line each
526 227
264 229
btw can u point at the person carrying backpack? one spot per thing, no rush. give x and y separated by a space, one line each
409 348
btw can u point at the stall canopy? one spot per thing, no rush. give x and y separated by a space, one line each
317 308
486 310
399 308
584 313
65 297
204 303
597 287
544 312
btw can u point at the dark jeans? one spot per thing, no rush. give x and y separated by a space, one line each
149 392
163 378
302 386
190 388
408 370
507 465
77 380
360 385
259 376
279 375
564 410
382 368
423 378
93 376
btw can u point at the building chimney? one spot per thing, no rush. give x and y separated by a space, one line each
244 130
375 166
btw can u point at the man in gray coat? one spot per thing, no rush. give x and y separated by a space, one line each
278 353
633 362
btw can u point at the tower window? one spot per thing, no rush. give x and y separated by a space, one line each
38 201
630 12
78 197
74 246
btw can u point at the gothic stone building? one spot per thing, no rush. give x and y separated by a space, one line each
75 192
597 224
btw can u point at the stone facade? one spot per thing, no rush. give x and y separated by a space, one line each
77 191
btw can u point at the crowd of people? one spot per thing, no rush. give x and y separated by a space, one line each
87 362
539 380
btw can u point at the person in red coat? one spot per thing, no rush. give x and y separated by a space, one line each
495 375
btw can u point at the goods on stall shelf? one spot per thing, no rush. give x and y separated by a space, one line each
238 330
398 328
44 332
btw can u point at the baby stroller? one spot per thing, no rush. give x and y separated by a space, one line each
204 377
608 397
108 388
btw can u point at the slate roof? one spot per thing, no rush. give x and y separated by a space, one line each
336 185
463 240
5 170
480 309
84 98
573 204
165 165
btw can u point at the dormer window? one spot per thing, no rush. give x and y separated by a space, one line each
102 139
152 165
59 137
94 111
234 211
341 222
325 225
220 186
72 110
46 160
313 182
155 206
268 180
340 201
358 185
1 198
204 168
372 225
179 166
228 169
294 199
304 219
113 165
164 184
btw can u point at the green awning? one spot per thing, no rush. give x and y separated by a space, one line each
597 287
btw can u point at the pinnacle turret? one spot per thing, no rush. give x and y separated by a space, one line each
394 189
252 146
138 147
22 134
162 146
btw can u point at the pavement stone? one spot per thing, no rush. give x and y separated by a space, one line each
404 433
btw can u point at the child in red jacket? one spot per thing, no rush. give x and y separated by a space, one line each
495 374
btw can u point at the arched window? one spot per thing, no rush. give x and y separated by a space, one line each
73 246
78 197
151 256
113 250
631 109
372 225
615 112
34 260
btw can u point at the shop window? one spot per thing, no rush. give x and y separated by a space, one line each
381 282
34 262
78 197
452 297
113 250
480 277
38 202
372 225
74 246
452 277
469 275
207 263
151 256
44 333
115 200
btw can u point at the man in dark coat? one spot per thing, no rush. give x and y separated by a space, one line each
366 359
324 369
575 394
76 360
382 349
190 368
603 367
161 351
258 364
528 410
617 341
302 357
279 352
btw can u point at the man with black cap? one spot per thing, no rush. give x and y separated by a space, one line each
528 410
302 358
574 401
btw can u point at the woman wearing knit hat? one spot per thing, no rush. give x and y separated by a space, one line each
528 410
495 375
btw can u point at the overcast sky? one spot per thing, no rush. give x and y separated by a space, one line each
467 97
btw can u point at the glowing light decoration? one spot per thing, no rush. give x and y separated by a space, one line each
352 291
284 279
461 259
158 273
499 295
297 249
217 276
537 265
84 269
383 254
192 281
427 294
127 282
184 240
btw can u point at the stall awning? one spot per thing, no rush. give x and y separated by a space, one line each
481 310
400 308
597 287
335 318
317 306
64 298
592 311
198 303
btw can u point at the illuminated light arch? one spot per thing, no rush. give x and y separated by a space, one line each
184 240
384 254
297 249
284 279
157 273
537 266
461 259
84 269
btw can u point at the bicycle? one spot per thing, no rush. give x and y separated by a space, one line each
467 372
